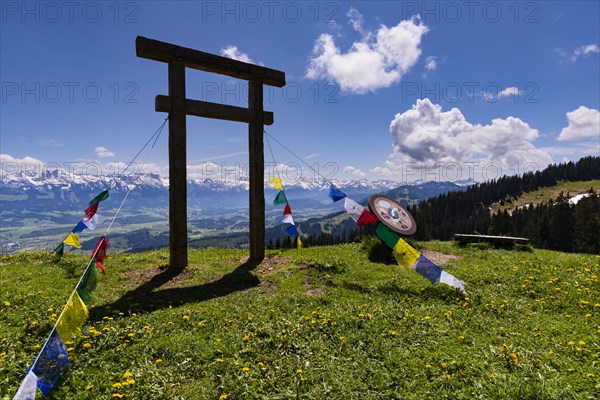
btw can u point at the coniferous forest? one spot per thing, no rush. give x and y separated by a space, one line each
555 224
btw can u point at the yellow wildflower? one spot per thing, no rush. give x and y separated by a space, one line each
158 361
6 303
86 345
127 375
117 385
245 369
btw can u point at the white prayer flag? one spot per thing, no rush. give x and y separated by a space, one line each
353 208
450 280
28 387
91 223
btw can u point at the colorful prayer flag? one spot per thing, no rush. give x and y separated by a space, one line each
299 242
99 253
353 208
72 318
335 193
291 230
405 254
53 358
28 387
387 235
450 280
288 219
276 181
101 197
92 222
280 199
72 239
80 227
428 269
366 218
59 250
91 211
88 284
287 210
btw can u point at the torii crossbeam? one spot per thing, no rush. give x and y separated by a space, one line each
179 107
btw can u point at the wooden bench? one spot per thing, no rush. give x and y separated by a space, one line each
463 239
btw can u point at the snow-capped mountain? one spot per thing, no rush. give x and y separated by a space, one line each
58 190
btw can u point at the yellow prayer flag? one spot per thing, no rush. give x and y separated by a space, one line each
72 240
73 318
299 242
405 254
276 181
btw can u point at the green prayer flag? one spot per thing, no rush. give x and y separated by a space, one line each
88 283
387 235
280 199
101 197
59 251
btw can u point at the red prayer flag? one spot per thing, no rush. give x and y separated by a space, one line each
287 210
100 253
366 218
91 211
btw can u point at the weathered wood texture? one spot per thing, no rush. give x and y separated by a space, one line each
212 110
467 238
256 171
177 167
167 52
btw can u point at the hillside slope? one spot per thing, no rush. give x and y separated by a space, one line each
321 323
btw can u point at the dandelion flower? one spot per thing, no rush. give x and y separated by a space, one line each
223 397
245 369
117 385
158 361
299 371
6 303
127 375
86 345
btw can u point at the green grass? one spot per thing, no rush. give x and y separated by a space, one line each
321 323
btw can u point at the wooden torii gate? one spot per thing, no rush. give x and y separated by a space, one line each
179 107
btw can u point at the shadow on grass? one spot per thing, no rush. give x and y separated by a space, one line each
146 298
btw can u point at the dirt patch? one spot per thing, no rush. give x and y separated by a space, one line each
140 276
267 286
439 258
269 264
316 292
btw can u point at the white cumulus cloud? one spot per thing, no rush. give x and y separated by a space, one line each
511 91
103 152
375 61
427 134
354 171
431 63
583 123
233 53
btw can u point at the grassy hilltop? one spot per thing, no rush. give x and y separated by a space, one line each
320 323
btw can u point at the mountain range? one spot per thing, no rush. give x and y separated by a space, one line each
41 205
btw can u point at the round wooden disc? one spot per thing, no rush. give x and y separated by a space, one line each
392 215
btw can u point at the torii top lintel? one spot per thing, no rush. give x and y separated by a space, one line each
167 52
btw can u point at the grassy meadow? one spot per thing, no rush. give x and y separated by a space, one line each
339 322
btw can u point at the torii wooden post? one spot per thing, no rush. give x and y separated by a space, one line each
178 107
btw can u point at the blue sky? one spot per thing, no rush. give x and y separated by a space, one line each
376 90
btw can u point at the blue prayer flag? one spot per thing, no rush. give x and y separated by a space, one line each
53 358
79 228
291 230
335 193
430 271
